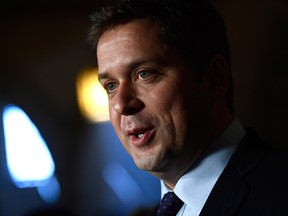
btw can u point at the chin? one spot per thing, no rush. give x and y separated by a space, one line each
146 163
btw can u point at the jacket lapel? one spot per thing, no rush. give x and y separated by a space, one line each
231 188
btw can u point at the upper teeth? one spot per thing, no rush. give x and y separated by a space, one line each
140 135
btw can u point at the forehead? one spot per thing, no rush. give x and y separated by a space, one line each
135 39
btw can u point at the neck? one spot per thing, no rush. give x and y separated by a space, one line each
179 166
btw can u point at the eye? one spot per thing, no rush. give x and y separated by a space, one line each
110 86
144 74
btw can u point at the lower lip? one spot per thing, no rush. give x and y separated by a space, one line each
147 136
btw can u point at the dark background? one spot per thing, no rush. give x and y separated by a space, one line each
43 48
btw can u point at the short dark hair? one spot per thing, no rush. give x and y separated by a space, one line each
191 27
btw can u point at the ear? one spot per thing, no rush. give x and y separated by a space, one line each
218 76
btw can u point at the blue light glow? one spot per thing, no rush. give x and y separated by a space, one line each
50 193
29 161
120 181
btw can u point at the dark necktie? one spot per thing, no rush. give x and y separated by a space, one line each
169 205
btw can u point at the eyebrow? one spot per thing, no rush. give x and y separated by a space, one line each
103 76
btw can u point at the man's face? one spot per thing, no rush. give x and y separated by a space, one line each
158 108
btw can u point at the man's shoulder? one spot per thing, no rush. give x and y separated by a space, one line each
259 158
252 142
254 182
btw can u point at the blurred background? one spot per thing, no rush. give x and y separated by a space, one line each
45 64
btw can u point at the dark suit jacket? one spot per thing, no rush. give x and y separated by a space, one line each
254 182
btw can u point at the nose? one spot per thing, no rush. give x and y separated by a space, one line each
127 102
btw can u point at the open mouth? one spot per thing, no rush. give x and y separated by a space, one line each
140 135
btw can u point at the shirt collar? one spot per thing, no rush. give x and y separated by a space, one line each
194 187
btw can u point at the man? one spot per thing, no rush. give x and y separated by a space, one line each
166 68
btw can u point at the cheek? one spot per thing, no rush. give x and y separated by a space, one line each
168 104
162 98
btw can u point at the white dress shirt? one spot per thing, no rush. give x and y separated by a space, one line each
194 187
